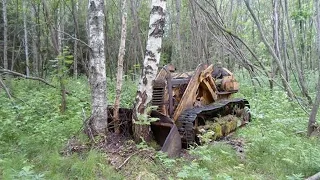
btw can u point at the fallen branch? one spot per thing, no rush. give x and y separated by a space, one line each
26 77
314 177
5 88
126 160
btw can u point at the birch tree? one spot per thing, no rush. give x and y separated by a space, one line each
150 67
121 54
97 68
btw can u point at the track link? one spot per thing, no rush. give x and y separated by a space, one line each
185 122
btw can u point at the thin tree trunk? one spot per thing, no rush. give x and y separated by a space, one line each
107 46
40 55
150 67
97 68
57 43
76 32
271 51
54 34
35 54
121 55
304 89
13 56
312 118
60 26
275 5
284 43
5 88
136 27
5 34
26 50
178 49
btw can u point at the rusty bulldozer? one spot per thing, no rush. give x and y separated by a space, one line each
192 103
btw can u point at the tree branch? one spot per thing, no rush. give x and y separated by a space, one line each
26 77
73 37
5 88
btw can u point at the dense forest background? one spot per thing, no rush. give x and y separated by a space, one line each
196 31
272 47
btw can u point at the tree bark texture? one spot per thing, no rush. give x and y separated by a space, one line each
26 50
97 67
122 51
314 111
5 34
150 66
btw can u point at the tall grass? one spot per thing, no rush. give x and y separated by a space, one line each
33 132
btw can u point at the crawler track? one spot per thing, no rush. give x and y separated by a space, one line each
186 121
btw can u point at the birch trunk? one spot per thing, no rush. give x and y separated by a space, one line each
150 67
313 115
97 68
5 34
122 51
26 50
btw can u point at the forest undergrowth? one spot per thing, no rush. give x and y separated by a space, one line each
34 135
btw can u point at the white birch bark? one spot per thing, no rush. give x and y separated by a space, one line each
60 27
5 34
150 66
121 54
97 67
26 50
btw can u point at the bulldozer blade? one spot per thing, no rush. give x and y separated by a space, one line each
166 134
172 144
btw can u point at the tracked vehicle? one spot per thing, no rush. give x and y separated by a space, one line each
190 104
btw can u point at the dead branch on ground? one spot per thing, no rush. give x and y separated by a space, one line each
26 77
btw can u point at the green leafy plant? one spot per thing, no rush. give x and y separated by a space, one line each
145 118
194 171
